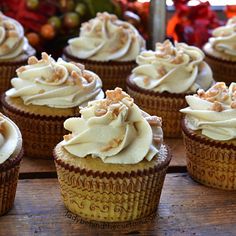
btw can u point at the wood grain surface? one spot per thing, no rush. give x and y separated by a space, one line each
186 208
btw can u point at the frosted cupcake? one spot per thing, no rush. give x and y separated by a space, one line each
112 165
10 157
209 131
162 79
44 94
107 46
14 50
221 52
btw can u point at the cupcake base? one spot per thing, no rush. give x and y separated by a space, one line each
165 105
113 74
41 126
224 69
210 162
110 192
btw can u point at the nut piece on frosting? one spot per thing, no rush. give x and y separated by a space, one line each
220 95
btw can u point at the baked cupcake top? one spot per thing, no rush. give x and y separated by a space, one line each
106 38
9 138
213 112
115 130
175 68
56 84
12 40
222 44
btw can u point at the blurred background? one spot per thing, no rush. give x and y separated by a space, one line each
49 24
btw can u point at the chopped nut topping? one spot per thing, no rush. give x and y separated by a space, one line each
233 105
217 107
161 70
32 60
45 56
116 95
21 69
81 66
112 144
146 81
67 137
100 112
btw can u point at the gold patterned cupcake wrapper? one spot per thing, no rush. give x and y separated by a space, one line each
111 197
7 72
40 133
8 182
113 74
210 162
223 71
164 105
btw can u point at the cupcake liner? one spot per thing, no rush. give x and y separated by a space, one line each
7 72
164 105
210 162
8 69
113 74
223 71
111 197
9 172
40 132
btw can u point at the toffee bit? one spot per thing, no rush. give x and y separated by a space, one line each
20 69
100 112
217 106
233 105
32 60
67 137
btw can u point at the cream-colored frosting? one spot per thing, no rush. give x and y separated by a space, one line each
175 68
12 40
223 39
9 138
115 130
213 112
106 38
55 83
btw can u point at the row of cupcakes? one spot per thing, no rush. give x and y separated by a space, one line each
114 50
116 127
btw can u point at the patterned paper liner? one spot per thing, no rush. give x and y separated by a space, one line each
210 162
40 132
8 70
111 197
113 74
223 70
165 105
9 172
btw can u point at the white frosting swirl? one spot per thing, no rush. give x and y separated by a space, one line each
224 38
55 84
106 38
115 130
9 138
175 69
12 40
213 112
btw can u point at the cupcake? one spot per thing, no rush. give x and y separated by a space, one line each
209 131
44 94
162 79
14 50
112 164
10 157
221 52
107 46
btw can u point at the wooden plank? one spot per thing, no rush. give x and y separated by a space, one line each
32 167
186 208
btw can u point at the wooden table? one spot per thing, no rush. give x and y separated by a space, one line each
186 207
